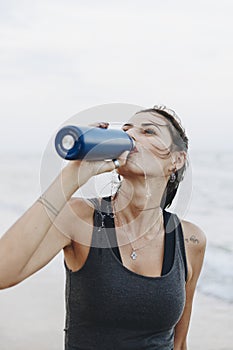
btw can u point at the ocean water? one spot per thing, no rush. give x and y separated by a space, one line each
211 208
208 199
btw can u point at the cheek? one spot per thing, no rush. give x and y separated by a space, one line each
163 142
159 148
157 158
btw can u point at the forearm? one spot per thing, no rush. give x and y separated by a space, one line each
21 241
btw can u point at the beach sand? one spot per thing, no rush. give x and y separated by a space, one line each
32 315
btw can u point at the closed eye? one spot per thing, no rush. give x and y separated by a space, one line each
149 131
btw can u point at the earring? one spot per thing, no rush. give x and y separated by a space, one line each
172 177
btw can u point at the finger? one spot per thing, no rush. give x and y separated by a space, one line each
98 167
116 163
123 157
102 167
102 125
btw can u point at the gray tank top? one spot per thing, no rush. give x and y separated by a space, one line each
109 307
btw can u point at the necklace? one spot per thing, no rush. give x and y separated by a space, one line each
134 250
134 254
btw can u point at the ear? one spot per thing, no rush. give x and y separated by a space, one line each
179 159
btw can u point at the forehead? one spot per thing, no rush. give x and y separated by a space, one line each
147 117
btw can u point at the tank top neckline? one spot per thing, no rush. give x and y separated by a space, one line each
166 216
145 276
106 207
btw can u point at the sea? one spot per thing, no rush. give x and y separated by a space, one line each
205 198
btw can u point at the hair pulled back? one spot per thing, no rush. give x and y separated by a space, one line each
179 143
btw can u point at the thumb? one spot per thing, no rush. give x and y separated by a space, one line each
123 158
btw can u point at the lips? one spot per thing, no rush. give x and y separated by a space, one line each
134 150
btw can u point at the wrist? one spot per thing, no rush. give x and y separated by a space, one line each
75 174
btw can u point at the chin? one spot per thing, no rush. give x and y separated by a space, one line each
131 169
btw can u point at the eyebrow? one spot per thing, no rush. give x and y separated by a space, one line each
151 124
143 125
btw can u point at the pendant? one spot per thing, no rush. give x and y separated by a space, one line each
133 255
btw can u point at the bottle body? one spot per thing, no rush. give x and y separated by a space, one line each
91 143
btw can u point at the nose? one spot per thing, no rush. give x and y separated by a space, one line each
131 132
132 137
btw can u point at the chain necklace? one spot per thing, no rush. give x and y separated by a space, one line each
116 187
134 250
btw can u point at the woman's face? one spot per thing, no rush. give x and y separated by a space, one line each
153 142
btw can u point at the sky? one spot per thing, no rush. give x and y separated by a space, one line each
58 58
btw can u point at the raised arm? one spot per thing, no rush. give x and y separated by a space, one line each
35 238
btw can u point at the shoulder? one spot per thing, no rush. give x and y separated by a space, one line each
76 210
193 235
81 207
195 245
75 217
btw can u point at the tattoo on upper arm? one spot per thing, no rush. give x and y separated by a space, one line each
192 239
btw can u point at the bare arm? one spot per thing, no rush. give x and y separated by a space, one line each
195 243
34 232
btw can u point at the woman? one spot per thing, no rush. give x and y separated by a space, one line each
132 267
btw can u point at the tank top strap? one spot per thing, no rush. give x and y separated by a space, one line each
173 226
103 231
108 221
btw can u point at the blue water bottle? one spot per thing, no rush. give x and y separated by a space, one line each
91 143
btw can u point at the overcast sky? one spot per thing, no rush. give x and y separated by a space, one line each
60 57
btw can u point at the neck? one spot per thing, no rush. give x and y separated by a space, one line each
137 195
137 203
138 216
